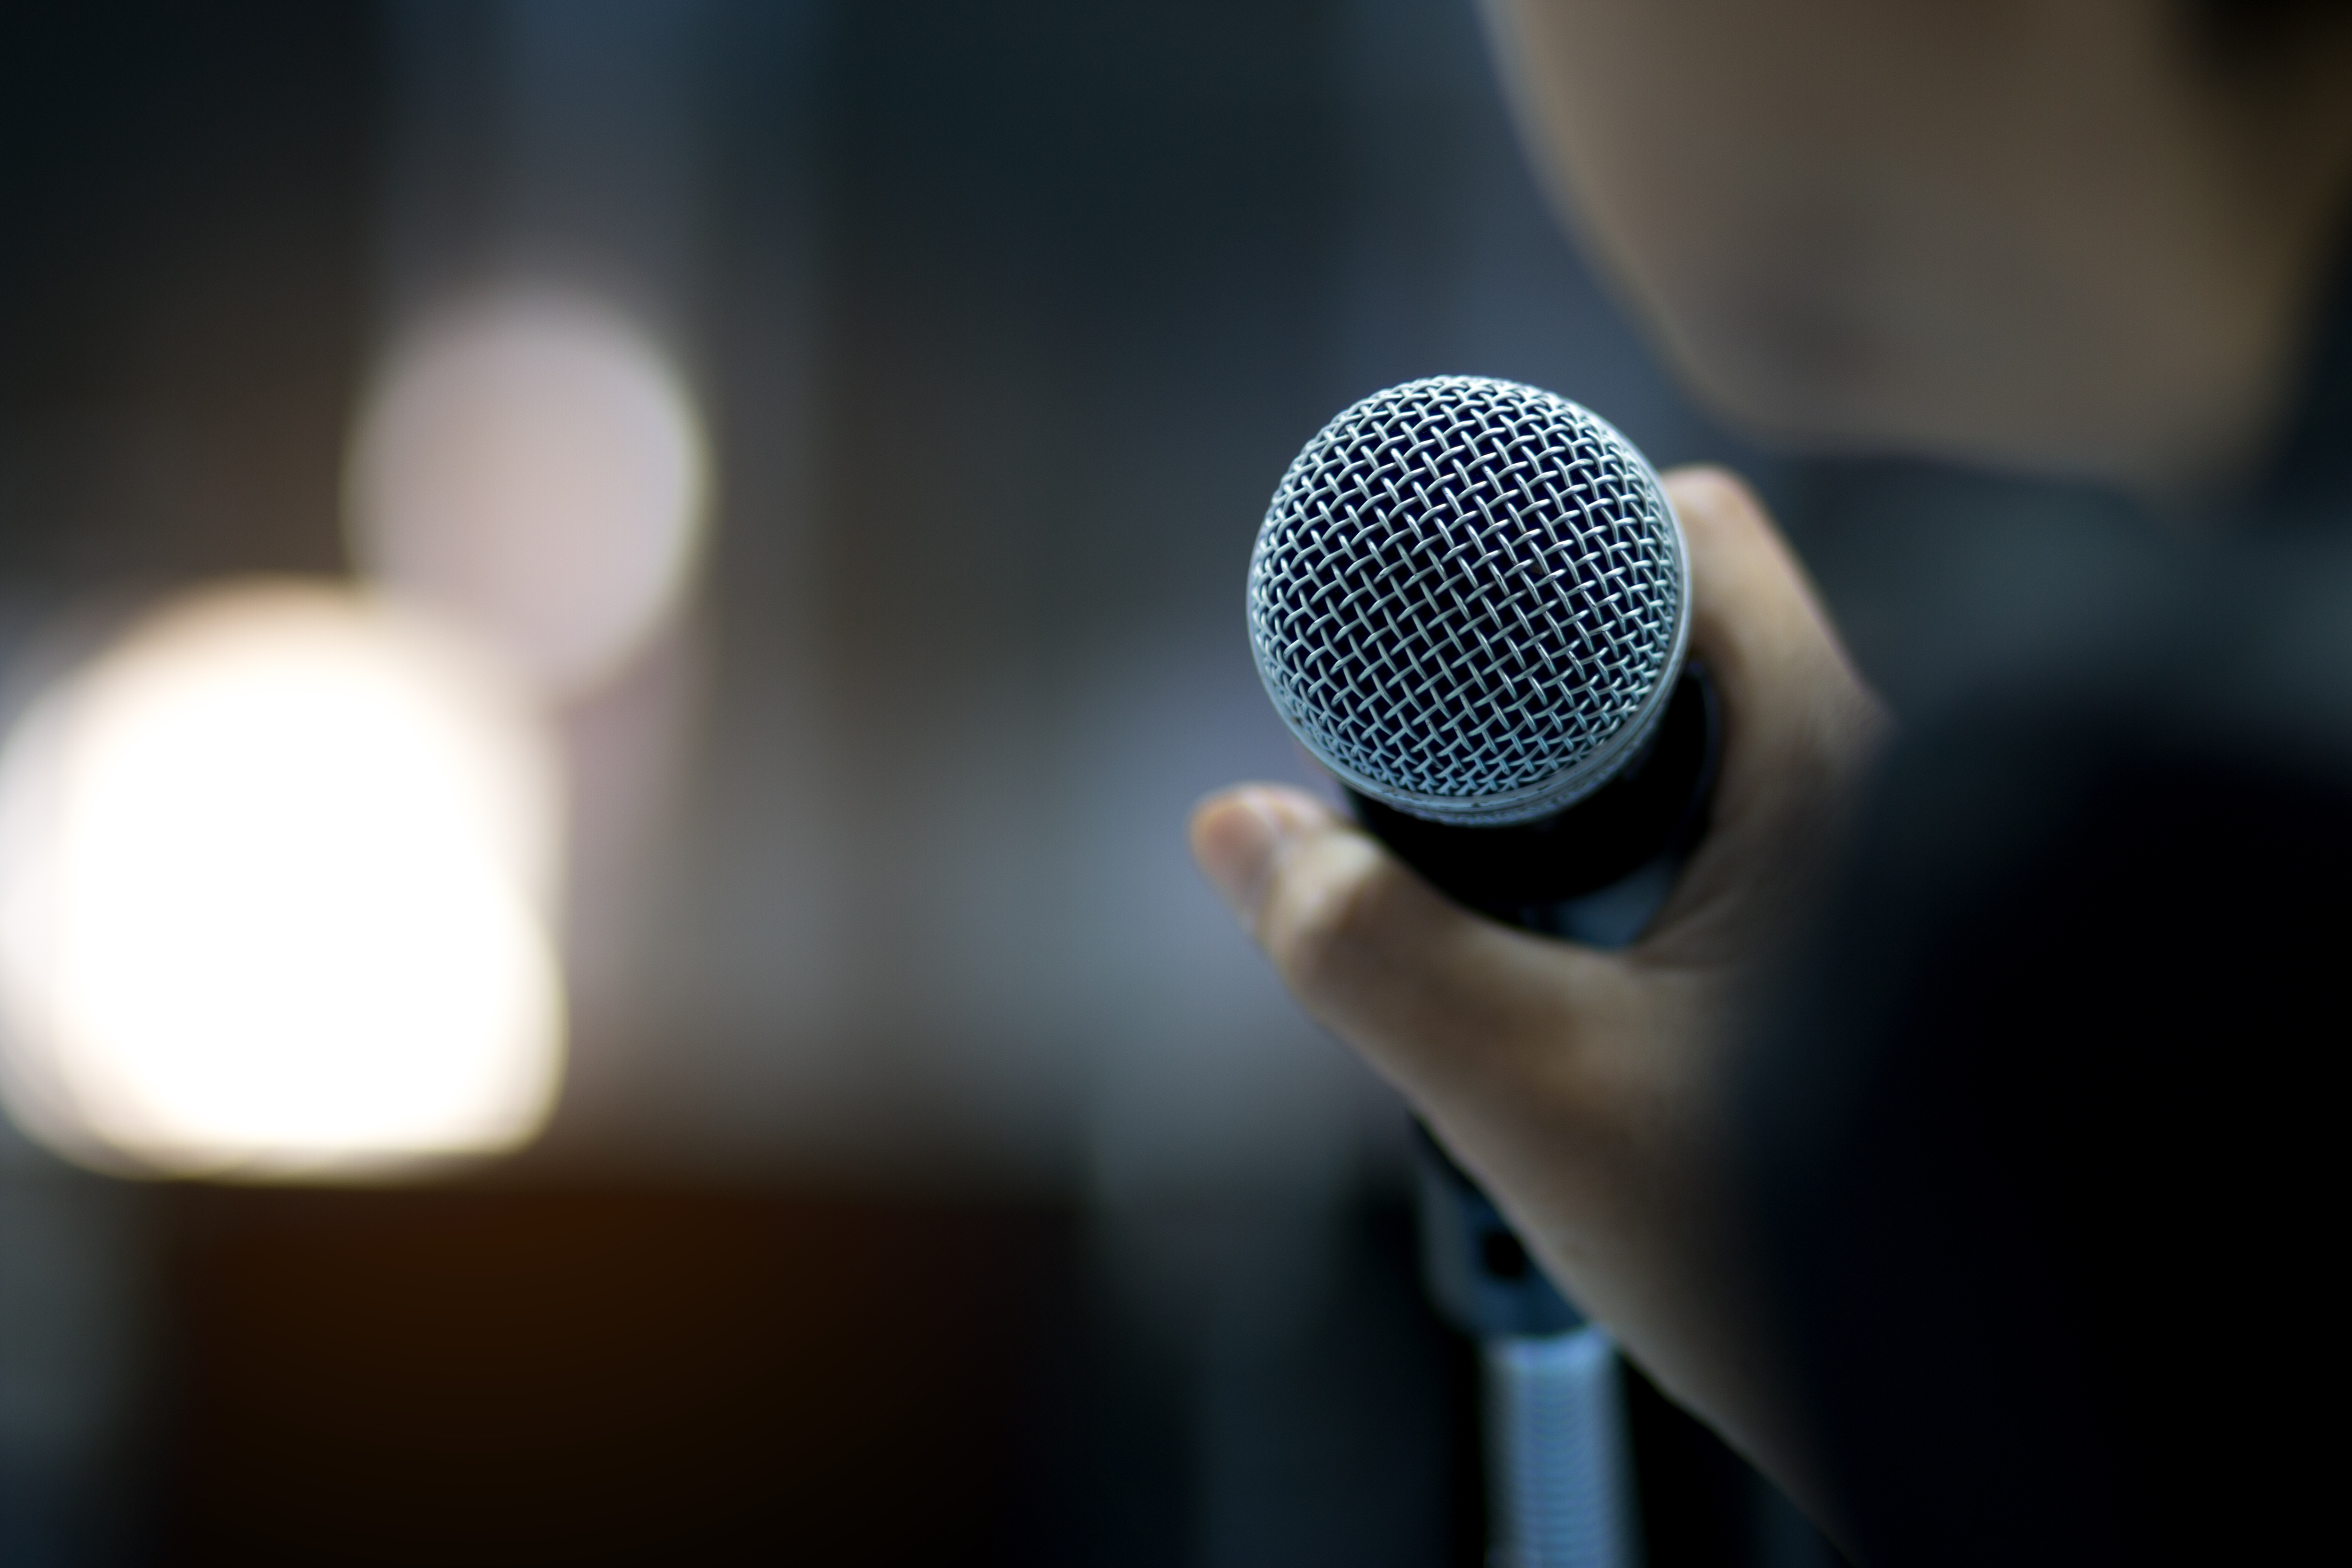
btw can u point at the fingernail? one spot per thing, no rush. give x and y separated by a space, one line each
1236 846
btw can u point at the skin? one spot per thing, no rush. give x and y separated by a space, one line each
2039 233
2049 234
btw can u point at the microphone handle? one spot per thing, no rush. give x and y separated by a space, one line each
1558 1464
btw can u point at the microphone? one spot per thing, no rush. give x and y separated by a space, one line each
1470 599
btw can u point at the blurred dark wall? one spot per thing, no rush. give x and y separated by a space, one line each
181 285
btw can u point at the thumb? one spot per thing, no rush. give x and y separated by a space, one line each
1455 1009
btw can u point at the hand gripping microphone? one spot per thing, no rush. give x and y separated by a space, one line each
1470 599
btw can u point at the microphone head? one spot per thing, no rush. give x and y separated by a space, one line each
1469 599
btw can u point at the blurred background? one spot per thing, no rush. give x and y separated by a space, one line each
609 614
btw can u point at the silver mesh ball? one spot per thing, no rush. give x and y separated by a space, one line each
1468 599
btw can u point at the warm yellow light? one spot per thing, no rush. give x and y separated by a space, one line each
534 469
272 881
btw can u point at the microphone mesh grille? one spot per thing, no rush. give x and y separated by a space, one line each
1467 597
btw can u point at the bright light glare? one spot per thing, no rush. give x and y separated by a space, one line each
272 875
534 469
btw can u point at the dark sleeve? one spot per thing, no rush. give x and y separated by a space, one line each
2045 1149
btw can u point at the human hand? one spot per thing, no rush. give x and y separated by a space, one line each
1585 1089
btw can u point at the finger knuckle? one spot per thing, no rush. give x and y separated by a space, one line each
1712 490
1328 932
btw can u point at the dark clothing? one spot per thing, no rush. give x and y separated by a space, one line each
2044 1137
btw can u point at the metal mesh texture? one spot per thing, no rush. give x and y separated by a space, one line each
1467 598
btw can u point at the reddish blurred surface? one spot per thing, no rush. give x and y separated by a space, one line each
465 1377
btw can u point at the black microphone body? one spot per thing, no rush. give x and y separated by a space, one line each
1594 872
1556 875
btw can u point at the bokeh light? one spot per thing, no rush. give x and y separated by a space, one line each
534 469
274 870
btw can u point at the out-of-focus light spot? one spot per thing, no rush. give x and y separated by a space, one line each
273 872
534 469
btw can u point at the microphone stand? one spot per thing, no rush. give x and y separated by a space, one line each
1560 1481
1560 1466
